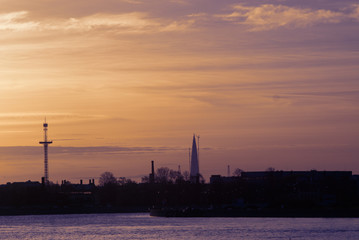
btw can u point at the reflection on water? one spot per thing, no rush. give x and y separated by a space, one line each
142 226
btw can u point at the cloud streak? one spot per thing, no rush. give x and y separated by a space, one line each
270 16
143 19
22 118
16 151
16 21
131 22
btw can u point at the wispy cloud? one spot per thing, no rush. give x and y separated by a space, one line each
178 26
135 22
33 118
108 150
132 22
141 20
180 2
355 11
132 1
270 16
16 21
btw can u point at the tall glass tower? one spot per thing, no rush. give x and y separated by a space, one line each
194 173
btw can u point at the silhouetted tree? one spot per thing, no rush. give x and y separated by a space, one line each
107 178
145 179
123 181
201 178
176 176
108 189
186 175
162 175
270 169
238 172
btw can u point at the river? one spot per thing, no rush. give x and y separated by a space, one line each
142 226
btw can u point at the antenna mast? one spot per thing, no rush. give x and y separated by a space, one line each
198 148
46 143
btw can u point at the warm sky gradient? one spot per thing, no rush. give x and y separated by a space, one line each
122 82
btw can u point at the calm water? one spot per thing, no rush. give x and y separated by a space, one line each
142 226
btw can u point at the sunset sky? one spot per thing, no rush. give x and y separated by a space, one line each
271 83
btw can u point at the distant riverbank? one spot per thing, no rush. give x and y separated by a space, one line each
296 213
183 211
49 210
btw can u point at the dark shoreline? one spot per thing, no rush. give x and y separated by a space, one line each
186 212
271 213
18 211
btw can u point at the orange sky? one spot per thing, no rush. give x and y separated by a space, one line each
265 83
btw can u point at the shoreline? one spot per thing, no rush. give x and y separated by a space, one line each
188 212
263 213
23 211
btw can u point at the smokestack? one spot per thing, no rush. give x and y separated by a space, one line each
152 174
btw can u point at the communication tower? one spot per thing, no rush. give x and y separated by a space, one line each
46 143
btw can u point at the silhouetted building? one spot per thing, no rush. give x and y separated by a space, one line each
219 179
290 188
25 184
194 173
297 176
309 176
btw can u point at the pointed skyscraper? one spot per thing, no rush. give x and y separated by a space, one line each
194 174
